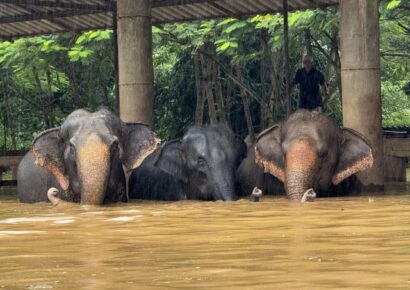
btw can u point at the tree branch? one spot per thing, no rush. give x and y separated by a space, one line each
223 68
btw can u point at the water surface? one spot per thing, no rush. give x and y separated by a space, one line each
333 243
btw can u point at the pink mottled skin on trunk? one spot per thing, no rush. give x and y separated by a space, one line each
93 170
300 162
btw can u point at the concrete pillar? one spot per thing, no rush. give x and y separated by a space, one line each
135 60
360 60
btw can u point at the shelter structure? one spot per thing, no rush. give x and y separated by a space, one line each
132 21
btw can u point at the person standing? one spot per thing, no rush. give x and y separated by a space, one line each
310 82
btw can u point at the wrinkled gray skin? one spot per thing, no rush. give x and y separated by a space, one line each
308 151
199 166
33 181
251 175
84 159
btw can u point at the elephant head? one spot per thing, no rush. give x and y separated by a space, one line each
205 159
311 151
87 153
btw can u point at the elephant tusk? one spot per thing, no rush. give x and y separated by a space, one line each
256 194
52 195
55 200
309 195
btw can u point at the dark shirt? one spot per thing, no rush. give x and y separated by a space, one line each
309 88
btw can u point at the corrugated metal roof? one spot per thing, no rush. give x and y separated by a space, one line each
35 17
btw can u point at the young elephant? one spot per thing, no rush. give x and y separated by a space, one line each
200 166
84 158
308 151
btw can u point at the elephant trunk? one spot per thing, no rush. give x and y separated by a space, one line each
301 162
93 168
224 187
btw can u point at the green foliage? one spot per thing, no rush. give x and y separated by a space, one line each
174 96
82 50
174 99
396 105
44 78
393 4
395 62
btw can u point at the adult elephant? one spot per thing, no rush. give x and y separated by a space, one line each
201 165
84 159
308 151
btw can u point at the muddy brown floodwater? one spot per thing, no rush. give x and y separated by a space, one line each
334 243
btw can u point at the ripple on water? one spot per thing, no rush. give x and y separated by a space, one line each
130 211
40 286
37 220
121 219
3 233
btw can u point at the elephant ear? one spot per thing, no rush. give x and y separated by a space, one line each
269 154
138 141
356 155
48 151
171 160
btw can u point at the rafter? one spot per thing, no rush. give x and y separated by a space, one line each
34 11
60 11
164 3
59 4
97 7
45 16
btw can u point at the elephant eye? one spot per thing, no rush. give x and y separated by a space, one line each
201 162
72 149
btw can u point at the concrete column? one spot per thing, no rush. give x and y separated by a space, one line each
360 59
135 60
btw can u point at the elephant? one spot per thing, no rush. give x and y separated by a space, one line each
201 165
308 151
84 159
250 175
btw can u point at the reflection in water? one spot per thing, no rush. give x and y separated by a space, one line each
355 243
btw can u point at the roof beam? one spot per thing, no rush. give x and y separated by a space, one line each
221 8
164 3
57 10
239 16
86 9
45 16
59 4
316 4
34 11
4 37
